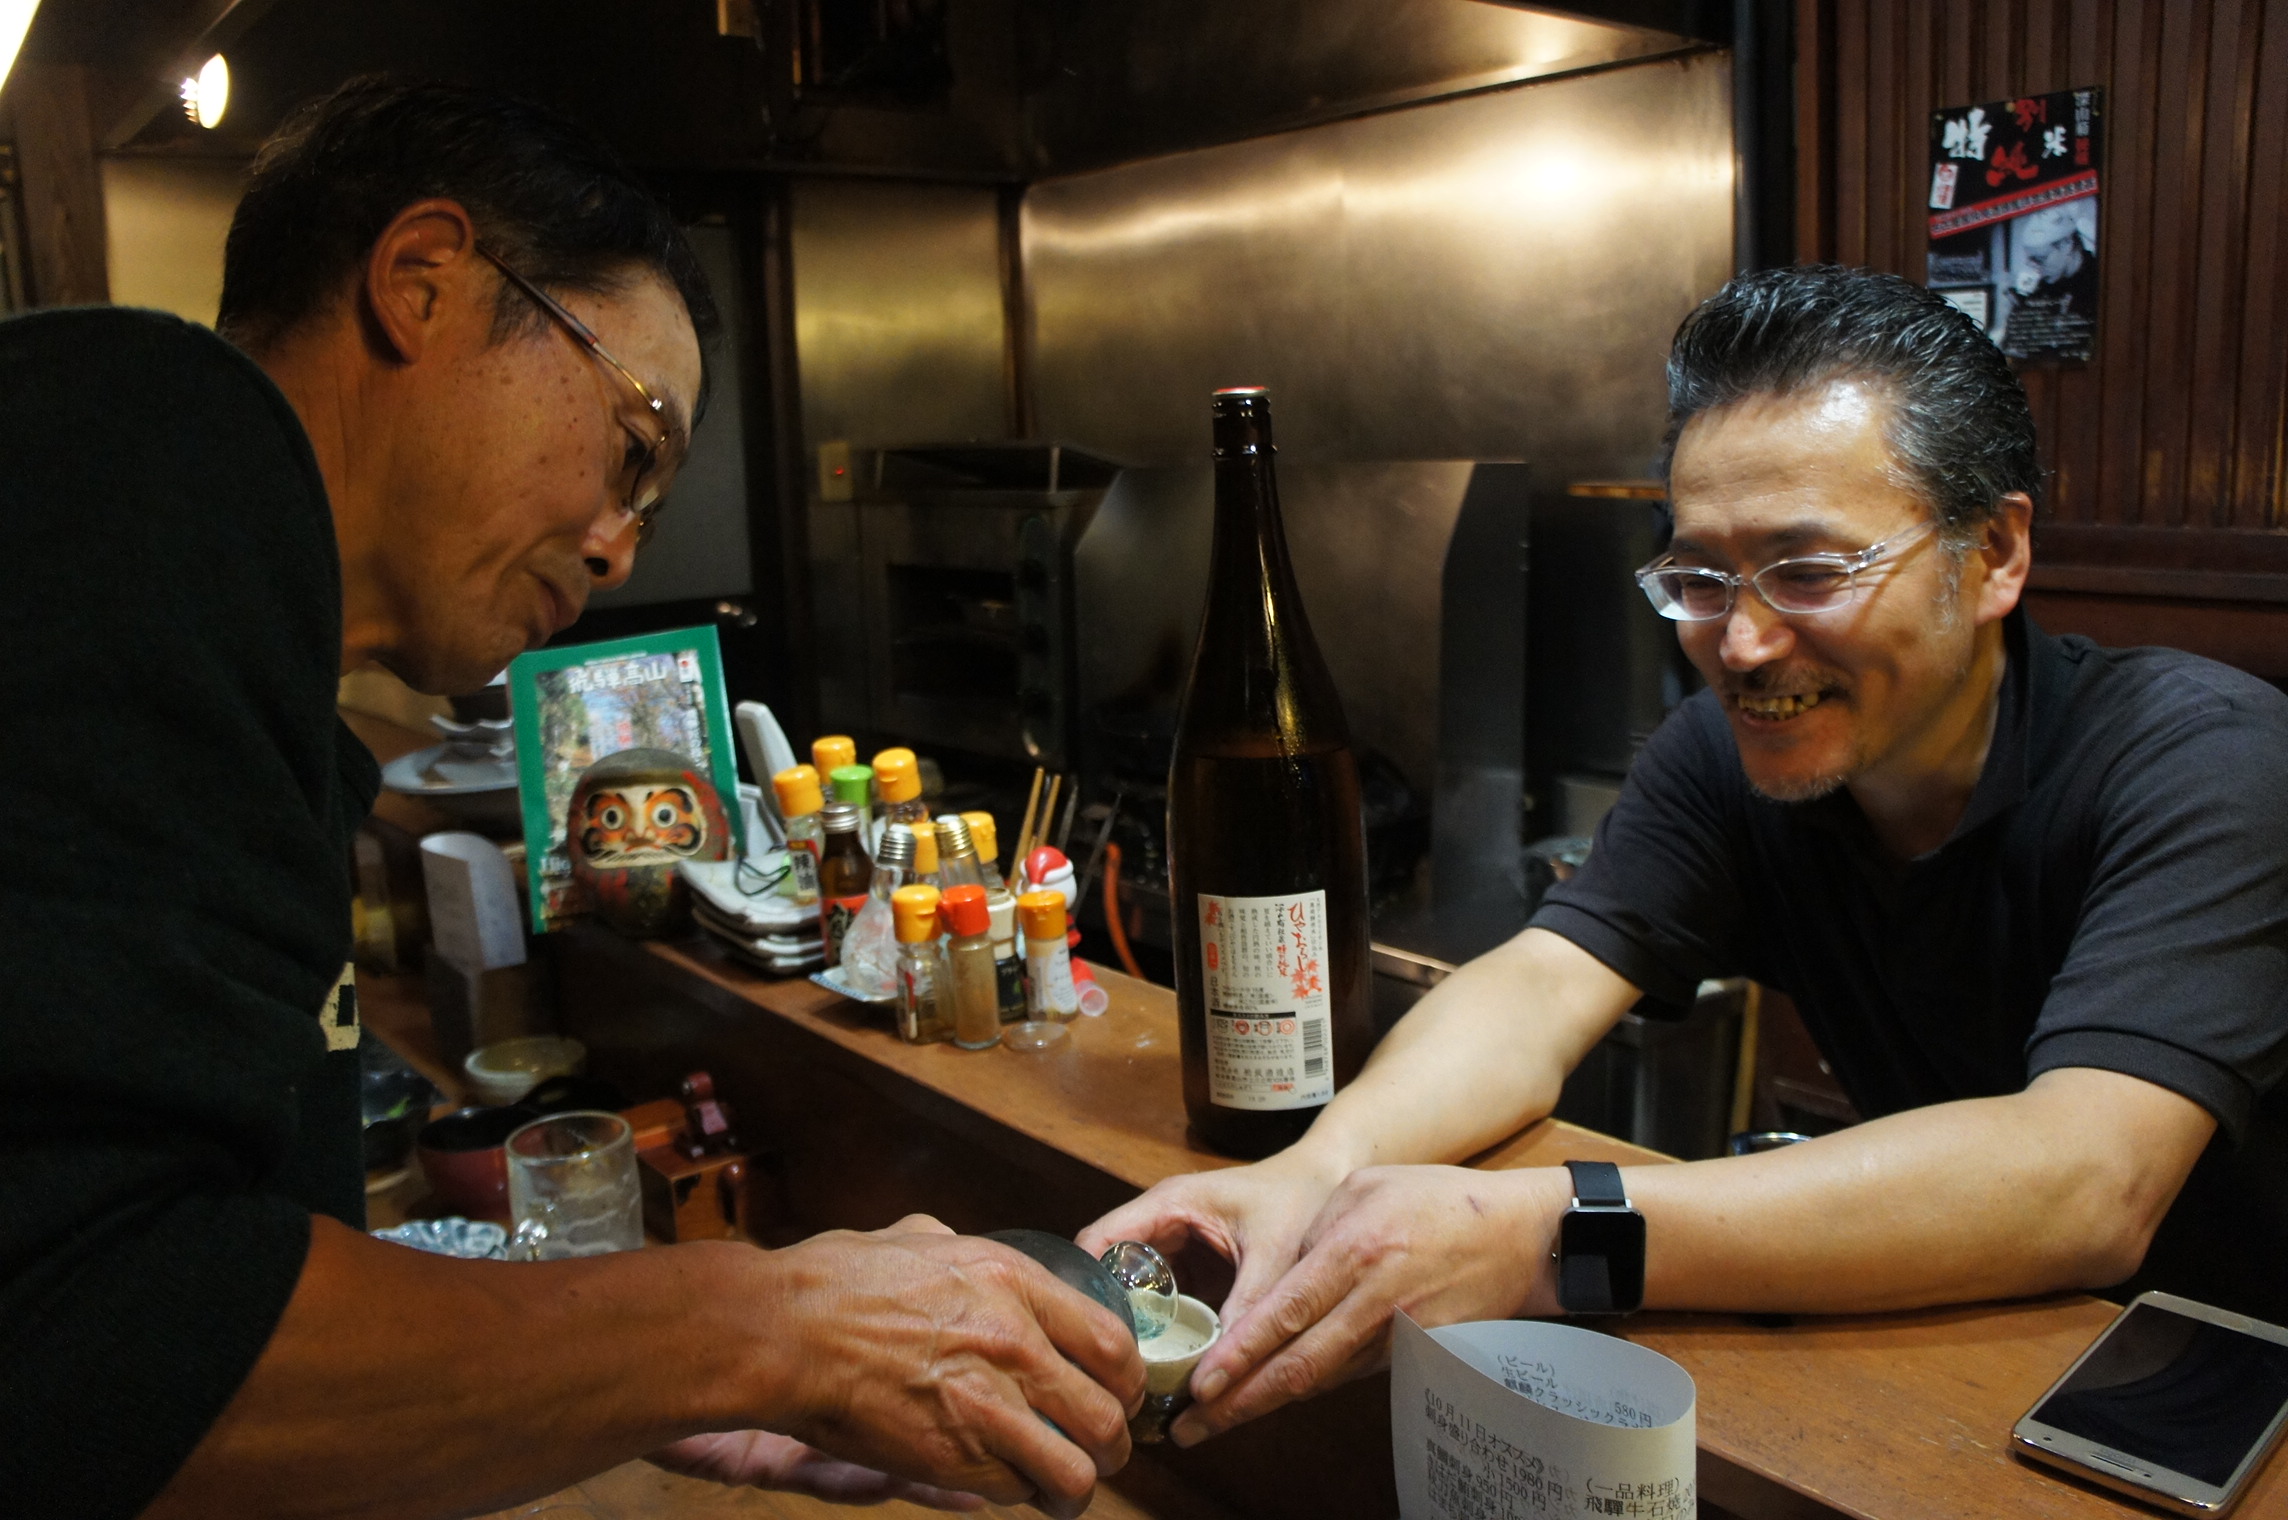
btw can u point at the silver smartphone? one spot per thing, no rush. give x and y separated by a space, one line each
2176 1403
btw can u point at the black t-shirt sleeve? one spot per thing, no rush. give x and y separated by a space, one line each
175 910
2178 968
1659 899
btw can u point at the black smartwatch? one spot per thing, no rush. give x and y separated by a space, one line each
1600 1244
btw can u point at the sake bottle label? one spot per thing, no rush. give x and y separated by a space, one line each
1264 961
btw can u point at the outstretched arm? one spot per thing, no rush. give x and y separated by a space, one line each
1479 1058
2059 1186
404 1385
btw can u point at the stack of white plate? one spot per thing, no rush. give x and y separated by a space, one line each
733 903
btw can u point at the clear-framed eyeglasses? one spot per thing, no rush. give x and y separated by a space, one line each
1808 583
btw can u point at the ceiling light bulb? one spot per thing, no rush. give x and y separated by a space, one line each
207 96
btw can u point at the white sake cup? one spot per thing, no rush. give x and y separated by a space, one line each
1169 1358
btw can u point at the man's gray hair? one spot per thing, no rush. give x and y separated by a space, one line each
1960 429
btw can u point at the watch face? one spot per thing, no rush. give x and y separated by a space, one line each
1600 1254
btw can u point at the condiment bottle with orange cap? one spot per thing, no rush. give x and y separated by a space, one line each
1049 991
921 967
799 801
969 967
831 750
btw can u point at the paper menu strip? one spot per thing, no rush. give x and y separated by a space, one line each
473 913
1506 1419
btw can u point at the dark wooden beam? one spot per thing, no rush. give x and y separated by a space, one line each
62 189
1699 20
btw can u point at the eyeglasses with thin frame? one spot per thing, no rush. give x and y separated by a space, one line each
652 464
1805 584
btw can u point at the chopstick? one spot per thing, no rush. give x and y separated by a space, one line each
1017 862
1064 828
1048 813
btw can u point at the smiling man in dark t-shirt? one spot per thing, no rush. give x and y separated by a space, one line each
468 360
2031 895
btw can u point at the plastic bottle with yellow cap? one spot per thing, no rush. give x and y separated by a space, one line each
799 802
921 967
1049 990
898 784
987 839
833 750
1042 1027
925 857
1008 960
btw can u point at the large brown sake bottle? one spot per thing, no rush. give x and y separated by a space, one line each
1266 846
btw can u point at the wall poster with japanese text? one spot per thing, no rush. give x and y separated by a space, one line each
2013 219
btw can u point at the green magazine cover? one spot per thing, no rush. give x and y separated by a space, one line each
576 703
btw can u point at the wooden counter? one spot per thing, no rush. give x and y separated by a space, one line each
1889 1417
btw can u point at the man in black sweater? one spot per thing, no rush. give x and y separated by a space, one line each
469 358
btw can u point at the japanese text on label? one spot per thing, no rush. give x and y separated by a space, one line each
1268 1024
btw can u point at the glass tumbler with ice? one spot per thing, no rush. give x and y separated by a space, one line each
573 1188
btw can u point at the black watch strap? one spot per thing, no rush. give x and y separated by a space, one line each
1597 1185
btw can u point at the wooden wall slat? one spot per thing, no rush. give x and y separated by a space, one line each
2040 67
2180 90
1881 142
2178 426
1957 22
2220 277
2261 409
1851 166
2002 65
2075 448
1815 99
2124 232
1908 151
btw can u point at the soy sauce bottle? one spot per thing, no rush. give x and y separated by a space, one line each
1266 843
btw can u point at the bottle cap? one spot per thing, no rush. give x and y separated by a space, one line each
831 751
1043 914
896 847
914 911
838 818
853 784
953 837
897 775
798 793
983 835
1094 1000
925 851
1242 420
964 912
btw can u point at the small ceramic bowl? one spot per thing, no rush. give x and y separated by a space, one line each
461 1156
1169 1358
505 1072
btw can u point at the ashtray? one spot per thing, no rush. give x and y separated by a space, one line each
831 980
